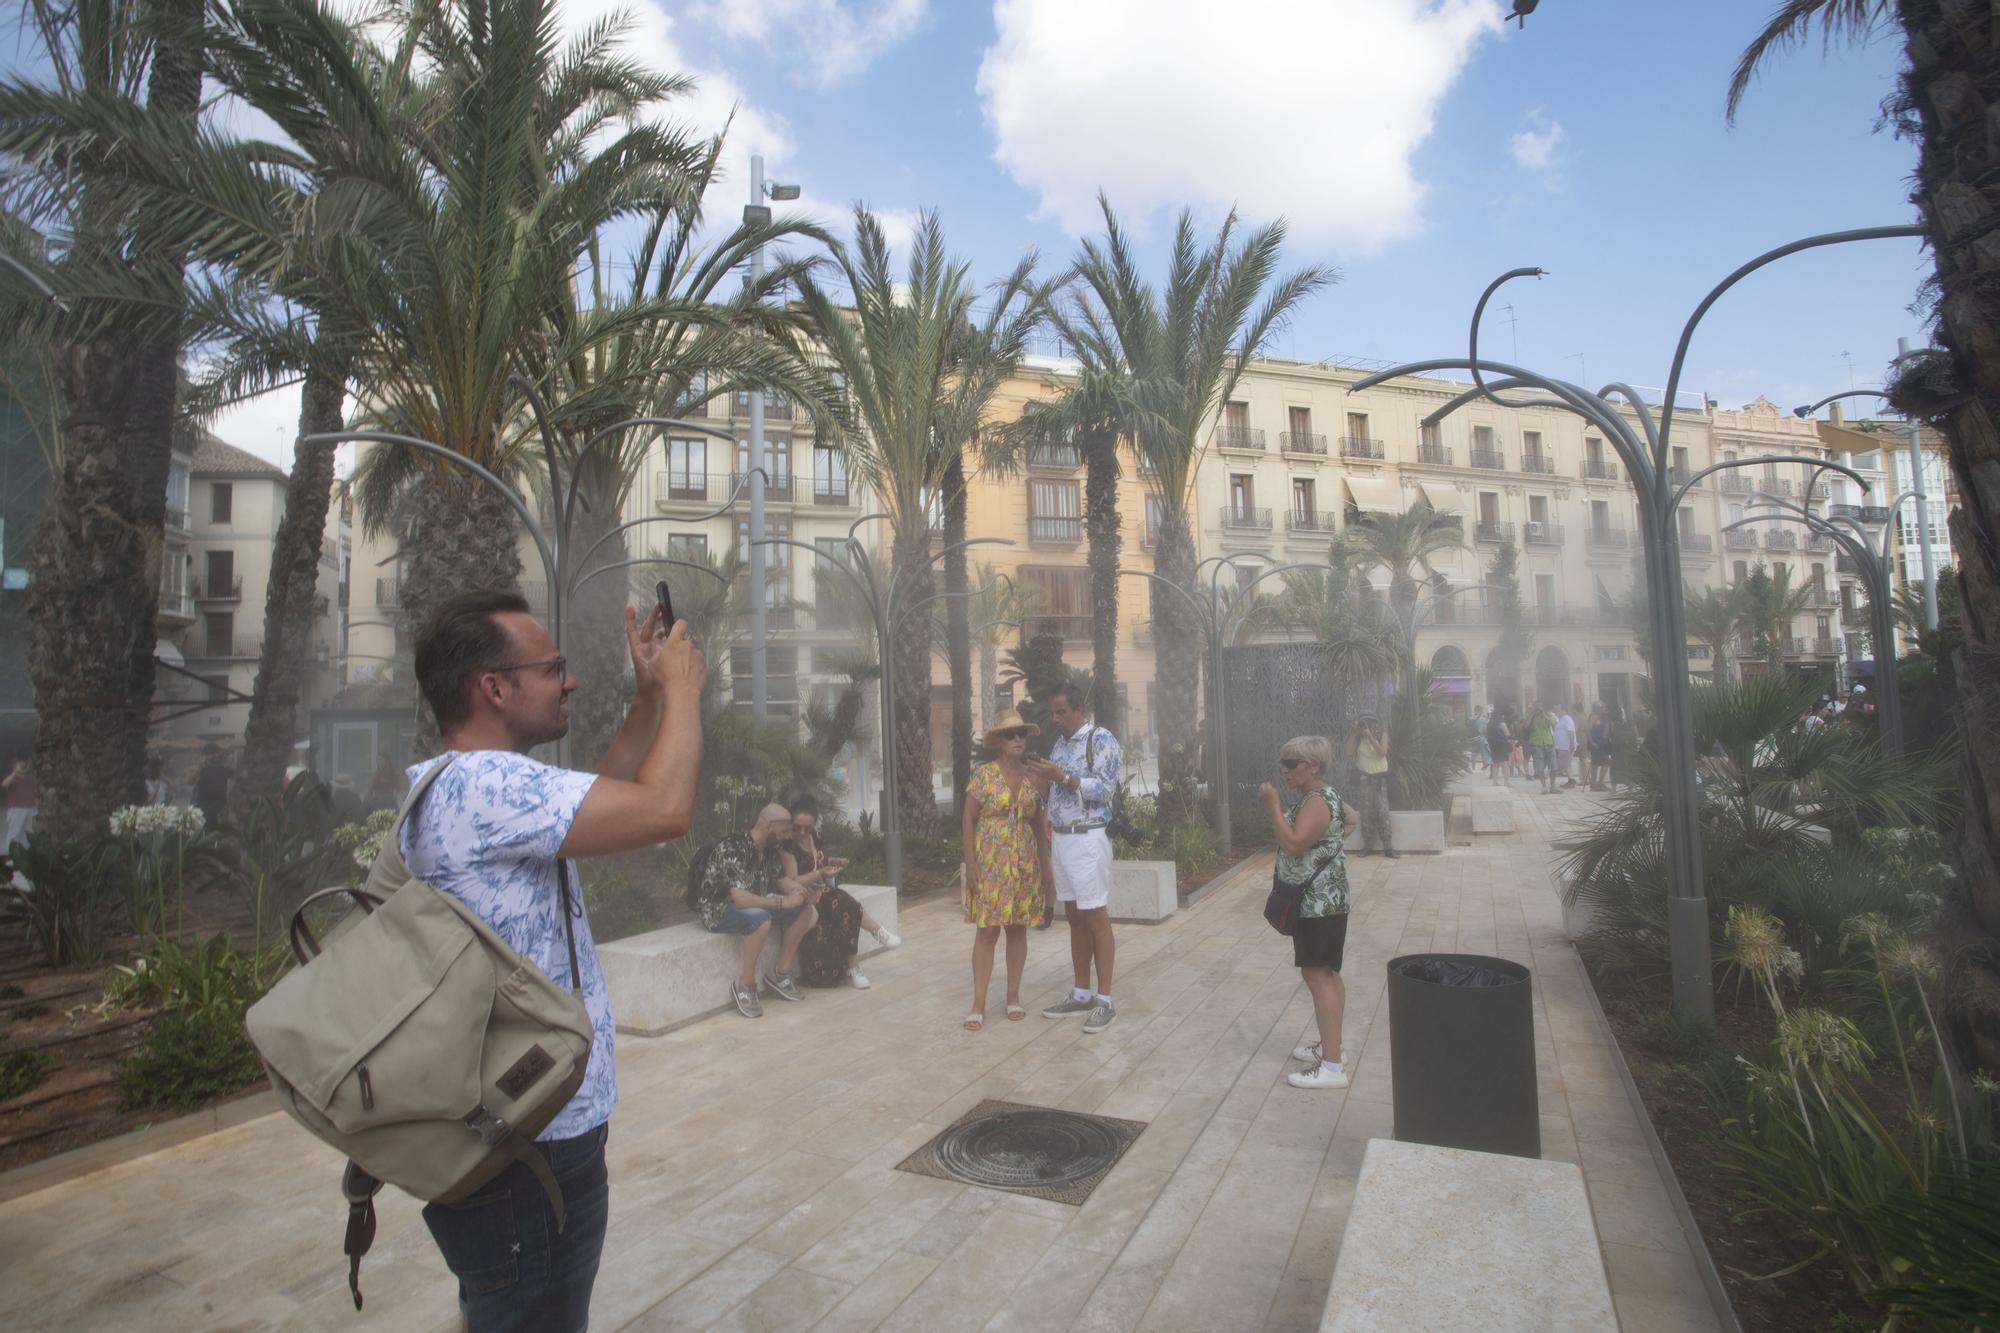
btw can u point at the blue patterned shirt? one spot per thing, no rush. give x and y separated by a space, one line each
487 834
1097 782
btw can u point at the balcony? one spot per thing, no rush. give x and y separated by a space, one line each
775 408
1818 541
1301 442
832 492
1541 464
1843 564
176 520
232 591
1055 529
1543 534
777 488
1072 629
1249 439
1874 513
1299 520
212 650
1438 455
1246 517
1818 598
1361 446
1740 539
1844 511
1678 476
175 604
1697 544
1609 539
684 487
1492 459
1781 539
1493 531
1598 469
1778 486
1735 483
1820 490
388 592
1055 458
1798 647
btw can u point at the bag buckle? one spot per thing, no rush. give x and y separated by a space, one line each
490 1128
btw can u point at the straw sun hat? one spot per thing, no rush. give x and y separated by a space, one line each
1010 720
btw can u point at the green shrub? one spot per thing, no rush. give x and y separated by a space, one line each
20 1071
1686 1039
64 908
1189 847
191 1057
630 896
1430 750
173 975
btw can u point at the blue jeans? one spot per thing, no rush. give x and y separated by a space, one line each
514 1269
746 920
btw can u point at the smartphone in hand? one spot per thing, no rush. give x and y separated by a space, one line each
666 596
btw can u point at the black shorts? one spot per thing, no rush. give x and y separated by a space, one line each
1320 941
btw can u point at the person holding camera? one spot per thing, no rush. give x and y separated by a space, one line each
1368 747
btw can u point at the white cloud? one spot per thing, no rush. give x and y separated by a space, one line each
834 39
1308 108
1534 147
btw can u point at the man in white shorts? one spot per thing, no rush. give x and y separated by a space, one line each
1082 773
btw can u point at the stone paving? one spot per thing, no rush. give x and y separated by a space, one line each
751 1161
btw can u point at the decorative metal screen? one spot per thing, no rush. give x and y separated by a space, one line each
1276 691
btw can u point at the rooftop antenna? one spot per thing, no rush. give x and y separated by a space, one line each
1582 367
1513 332
1848 357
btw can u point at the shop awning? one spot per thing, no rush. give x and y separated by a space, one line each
1372 495
1444 497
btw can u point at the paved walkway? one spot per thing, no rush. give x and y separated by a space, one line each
751 1161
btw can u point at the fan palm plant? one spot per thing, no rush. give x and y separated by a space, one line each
1185 347
96 558
921 376
1944 101
1328 607
1405 545
1766 603
1713 618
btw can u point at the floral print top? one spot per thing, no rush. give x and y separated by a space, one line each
1322 871
737 864
1004 851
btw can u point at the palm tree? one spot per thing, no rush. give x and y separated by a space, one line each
1516 638
95 565
1766 604
1715 619
1404 544
920 377
1950 84
1186 347
1328 607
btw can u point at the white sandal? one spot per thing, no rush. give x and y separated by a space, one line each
974 1022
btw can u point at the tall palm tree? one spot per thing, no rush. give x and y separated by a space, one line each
1405 545
1715 619
920 376
1186 347
1949 88
95 566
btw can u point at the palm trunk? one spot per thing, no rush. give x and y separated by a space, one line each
1100 508
1182 644
1953 90
958 628
910 575
291 604
463 538
94 593
593 635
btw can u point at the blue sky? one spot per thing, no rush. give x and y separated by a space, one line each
1415 144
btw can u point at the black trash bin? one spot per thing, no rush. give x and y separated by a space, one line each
1462 1044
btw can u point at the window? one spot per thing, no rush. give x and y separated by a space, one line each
777 460
1741 571
1482 438
829 474
831 612
221 499
1538 509
1357 425
220 574
1600 516
781 676
1302 499
1299 421
1545 595
1685 518
1680 463
777 559
1531 444
688 546
1593 449
1246 578
218 633
1428 438
1242 494
1236 420
687 467
1489 509
1055 510
1156 520
1065 600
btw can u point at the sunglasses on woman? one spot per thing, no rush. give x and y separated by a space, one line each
1020 733
1289 764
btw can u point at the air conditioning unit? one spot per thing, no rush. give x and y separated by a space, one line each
1536 531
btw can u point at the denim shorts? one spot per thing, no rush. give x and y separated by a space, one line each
1545 759
514 1269
747 920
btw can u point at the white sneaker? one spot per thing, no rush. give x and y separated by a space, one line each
1309 1052
1319 1076
888 938
856 980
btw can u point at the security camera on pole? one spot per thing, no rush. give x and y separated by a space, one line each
757 213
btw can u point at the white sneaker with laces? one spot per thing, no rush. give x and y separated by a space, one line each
1310 1053
856 980
888 938
1319 1076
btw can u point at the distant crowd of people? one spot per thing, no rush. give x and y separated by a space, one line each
1549 746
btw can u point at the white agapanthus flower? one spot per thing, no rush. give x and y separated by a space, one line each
136 821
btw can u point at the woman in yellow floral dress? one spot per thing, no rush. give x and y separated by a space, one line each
1007 883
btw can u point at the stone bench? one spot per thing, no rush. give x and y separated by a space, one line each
668 978
1144 891
1412 831
1441 1238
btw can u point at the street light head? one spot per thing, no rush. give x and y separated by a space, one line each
782 193
1522 8
756 215
1802 412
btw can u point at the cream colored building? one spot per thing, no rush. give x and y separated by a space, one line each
1880 451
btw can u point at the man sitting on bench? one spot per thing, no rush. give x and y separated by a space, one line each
744 891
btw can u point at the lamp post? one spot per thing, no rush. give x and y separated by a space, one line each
1643 442
1904 353
757 213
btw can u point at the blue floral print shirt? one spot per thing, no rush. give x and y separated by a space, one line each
487 834
1097 779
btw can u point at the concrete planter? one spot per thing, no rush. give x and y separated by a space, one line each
1417 830
1143 891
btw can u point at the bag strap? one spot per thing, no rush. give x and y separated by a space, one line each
569 930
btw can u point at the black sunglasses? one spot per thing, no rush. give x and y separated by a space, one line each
1290 764
1018 733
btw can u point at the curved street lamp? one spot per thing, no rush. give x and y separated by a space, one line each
1642 441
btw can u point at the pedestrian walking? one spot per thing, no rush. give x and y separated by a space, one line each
1082 776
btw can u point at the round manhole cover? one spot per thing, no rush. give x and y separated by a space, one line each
1027 1149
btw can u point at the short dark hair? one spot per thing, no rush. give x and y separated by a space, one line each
1071 691
460 642
803 804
